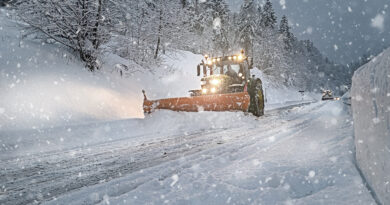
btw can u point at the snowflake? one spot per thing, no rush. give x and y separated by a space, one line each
312 174
175 178
378 22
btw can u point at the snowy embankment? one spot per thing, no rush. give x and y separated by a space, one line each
43 85
371 115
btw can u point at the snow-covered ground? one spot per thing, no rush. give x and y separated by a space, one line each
68 136
294 155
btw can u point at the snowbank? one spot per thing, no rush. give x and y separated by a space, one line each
277 95
371 113
43 85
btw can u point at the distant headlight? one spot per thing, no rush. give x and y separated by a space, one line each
204 90
215 82
213 90
240 74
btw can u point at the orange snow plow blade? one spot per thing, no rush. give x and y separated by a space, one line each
218 102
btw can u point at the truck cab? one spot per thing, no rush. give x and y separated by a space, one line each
228 74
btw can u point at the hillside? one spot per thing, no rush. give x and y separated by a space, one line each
44 85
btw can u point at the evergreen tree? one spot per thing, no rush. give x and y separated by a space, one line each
219 9
268 17
247 26
284 30
183 3
220 18
259 29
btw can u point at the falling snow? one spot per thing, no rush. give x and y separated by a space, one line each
72 136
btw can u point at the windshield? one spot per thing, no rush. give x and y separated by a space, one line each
235 67
230 68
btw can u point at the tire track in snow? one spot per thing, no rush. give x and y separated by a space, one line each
202 156
29 181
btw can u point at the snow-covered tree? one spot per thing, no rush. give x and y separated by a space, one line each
210 22
220 14
268 17
284 30
247 26
81 25
259 28
149 28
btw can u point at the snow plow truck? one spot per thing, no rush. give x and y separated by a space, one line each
226 85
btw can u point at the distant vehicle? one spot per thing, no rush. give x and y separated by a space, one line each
328 95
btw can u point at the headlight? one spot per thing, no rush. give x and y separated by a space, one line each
240 75
209 62
204 90
239 57
215 82
213 90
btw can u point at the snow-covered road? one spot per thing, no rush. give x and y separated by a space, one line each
293 155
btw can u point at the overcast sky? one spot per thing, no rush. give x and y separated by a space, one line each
341 29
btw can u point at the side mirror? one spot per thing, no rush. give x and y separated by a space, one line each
198 70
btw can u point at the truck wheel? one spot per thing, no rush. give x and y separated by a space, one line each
259 99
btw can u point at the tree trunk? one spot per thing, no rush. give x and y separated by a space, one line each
157 48
196 6
159 36
96 42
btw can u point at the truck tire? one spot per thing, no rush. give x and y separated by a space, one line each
257 104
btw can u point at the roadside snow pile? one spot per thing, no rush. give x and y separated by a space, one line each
371 115
42 85
277 95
